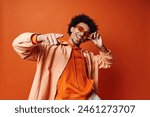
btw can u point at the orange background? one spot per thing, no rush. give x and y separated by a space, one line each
124 26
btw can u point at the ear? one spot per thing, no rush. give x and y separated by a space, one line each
72 28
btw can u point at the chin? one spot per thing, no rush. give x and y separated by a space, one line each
78 43
75 42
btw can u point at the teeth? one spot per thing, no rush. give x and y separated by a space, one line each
78 36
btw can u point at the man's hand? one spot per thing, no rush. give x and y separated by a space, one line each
97 40
49 39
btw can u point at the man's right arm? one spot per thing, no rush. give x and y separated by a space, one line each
29 45
25 47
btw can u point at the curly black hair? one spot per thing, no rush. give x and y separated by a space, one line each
85 19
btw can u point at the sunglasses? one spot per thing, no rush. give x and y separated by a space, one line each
81 29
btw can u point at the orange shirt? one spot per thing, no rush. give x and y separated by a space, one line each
74 83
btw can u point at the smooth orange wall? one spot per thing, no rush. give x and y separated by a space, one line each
124 26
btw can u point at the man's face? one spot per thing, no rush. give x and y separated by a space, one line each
79 33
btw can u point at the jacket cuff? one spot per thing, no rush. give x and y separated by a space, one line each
105 53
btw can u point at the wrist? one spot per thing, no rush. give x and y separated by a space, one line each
103 48
100 46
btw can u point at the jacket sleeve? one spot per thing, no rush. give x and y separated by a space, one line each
104 60
25 48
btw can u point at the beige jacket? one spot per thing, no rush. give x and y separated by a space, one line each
51 61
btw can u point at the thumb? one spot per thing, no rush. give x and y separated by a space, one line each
58 35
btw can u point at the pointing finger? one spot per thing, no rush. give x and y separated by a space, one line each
58 35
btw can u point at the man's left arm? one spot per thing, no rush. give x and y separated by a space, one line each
104 58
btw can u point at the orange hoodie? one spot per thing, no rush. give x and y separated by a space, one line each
74 83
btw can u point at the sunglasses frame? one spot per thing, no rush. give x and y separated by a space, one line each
81 29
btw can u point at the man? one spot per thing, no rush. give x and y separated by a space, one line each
64 70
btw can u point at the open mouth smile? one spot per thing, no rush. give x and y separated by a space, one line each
79 37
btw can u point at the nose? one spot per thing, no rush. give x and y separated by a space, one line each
82 34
